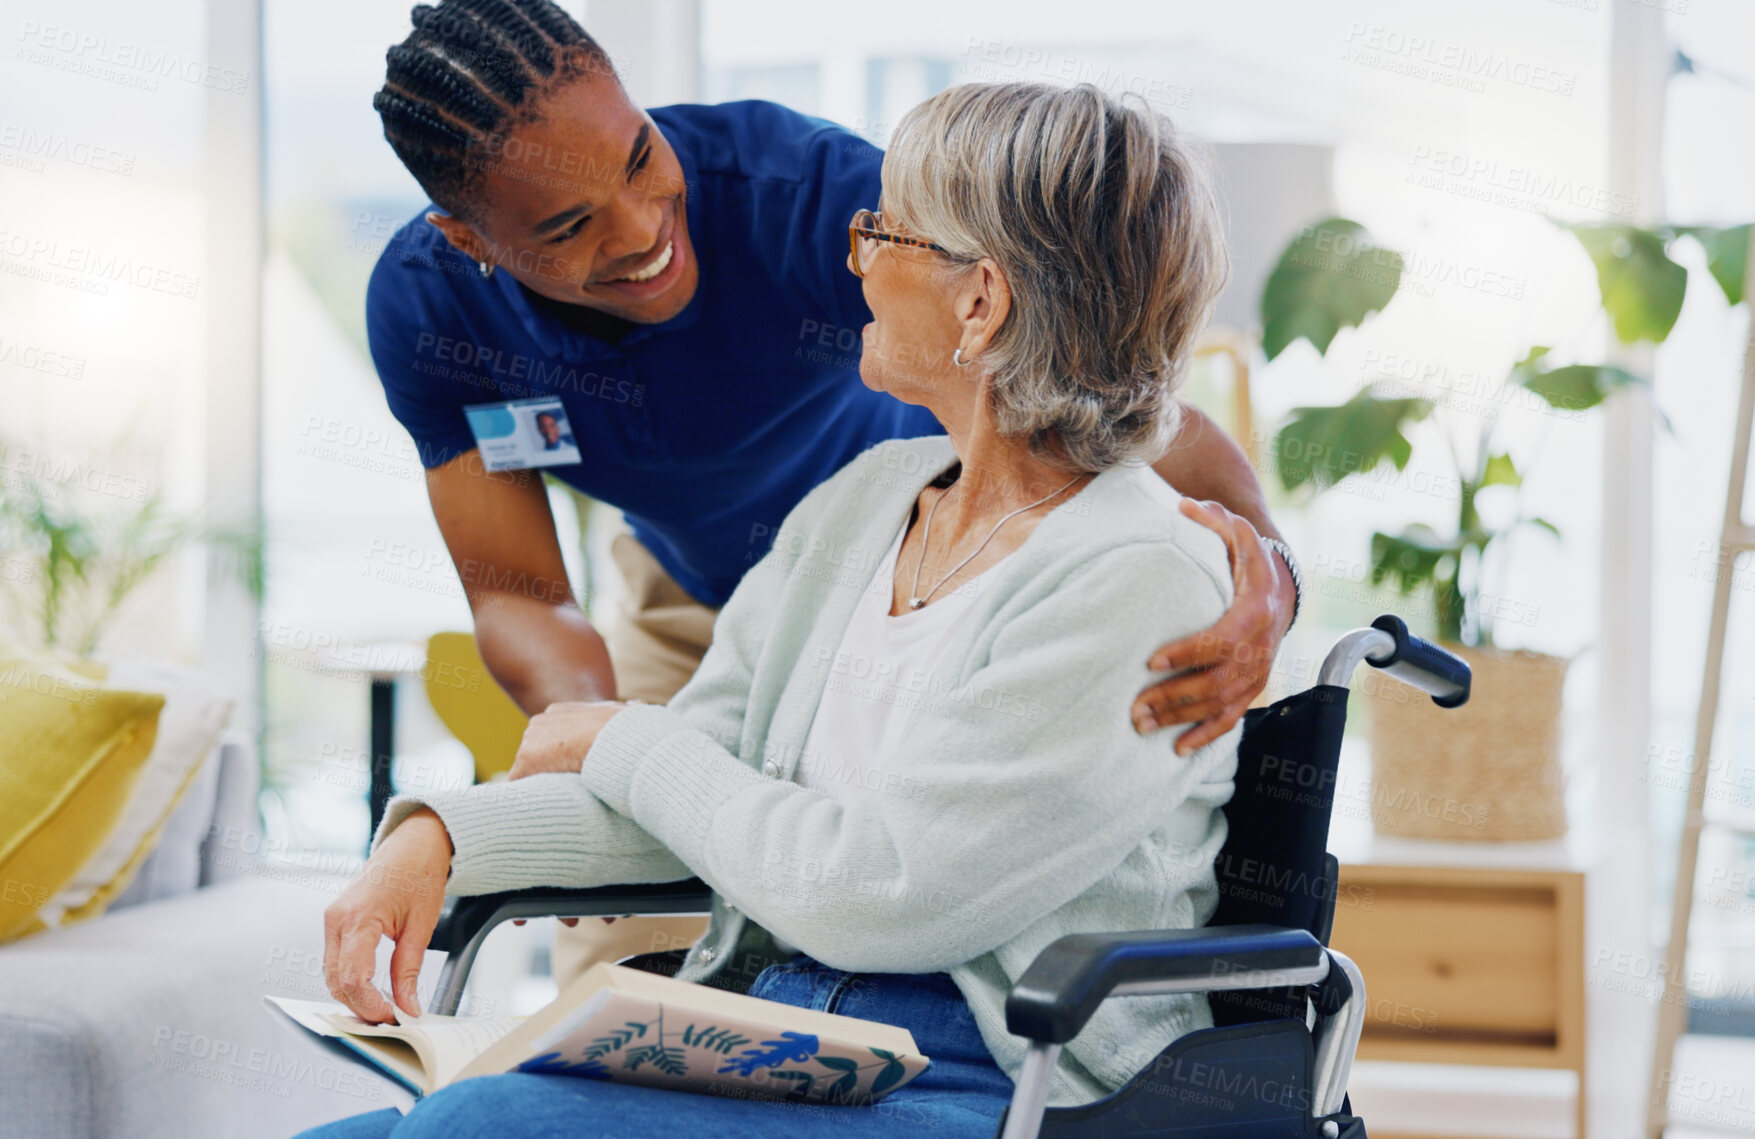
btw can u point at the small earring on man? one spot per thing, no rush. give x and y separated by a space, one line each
957 359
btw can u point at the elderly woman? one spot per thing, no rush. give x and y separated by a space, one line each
903 767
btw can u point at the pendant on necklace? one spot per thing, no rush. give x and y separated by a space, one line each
916 602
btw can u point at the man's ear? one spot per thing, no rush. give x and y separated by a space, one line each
461 235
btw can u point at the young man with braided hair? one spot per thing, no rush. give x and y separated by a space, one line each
675 280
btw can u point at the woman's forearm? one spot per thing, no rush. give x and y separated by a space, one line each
426 820
547 830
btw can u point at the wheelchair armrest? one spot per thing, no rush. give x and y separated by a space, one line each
465 917
465 922
1068 980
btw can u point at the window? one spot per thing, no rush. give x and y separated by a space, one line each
103 282
358 573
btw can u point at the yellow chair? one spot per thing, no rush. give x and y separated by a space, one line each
471 703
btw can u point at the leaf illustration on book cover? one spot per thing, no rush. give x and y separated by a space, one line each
893 1071
714 1039
793 1046
801 1080
671 1061
551 1064
849 1078
604 1045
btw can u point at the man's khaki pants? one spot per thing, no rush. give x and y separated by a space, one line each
656 641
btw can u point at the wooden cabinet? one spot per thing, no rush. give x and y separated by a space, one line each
1468 964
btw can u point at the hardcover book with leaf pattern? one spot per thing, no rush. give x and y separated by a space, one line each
615 1023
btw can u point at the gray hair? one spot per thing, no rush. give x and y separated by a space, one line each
1105 225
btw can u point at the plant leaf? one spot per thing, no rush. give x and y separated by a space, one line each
1326 444
1576 387
1541 523
1331 277
1410 559
1727 256
1641 287
1501 472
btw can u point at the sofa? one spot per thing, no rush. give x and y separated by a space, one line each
147 1022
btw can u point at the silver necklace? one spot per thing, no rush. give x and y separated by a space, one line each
915 600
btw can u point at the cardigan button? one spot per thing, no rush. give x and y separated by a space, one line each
771 769
707 955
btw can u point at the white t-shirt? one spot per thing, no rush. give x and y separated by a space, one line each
885 669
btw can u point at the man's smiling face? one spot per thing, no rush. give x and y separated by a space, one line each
586 205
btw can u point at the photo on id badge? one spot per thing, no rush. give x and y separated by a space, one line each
522 433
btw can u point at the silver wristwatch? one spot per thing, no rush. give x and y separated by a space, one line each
1285 553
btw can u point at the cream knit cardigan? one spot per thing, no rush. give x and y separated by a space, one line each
1022 805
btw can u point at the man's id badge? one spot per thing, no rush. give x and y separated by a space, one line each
522 433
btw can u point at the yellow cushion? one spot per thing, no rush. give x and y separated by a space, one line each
111 890
69 755
188 727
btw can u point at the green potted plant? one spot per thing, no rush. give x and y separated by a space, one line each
68 565
1492 768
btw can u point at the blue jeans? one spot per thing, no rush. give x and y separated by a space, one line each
960 1096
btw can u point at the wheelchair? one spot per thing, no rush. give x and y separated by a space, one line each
1287 1009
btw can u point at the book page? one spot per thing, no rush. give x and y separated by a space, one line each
396 1057
438 1046
456 1040
535 1036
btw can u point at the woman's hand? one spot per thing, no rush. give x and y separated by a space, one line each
399 893
1226 665
559 736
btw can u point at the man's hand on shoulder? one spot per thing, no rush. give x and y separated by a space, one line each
1222 669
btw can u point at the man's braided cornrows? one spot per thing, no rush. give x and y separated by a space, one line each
469 71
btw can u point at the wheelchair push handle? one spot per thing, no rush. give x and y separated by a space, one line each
1436 671
1388 645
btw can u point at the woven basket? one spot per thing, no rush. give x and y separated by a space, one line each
1489 770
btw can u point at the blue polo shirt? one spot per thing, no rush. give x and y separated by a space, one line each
707 429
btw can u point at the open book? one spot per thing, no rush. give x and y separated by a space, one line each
615 1023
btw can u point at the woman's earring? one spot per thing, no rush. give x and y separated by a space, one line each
957 359
487 270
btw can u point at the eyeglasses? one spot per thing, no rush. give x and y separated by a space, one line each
867 231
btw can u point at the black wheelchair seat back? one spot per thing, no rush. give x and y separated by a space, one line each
1251 1074
1277 1059
1275 868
